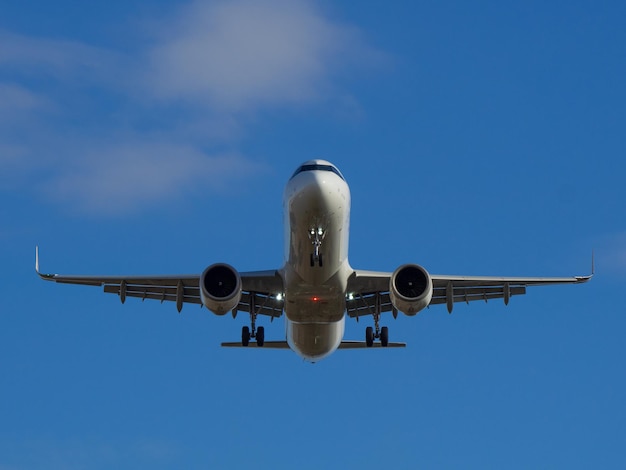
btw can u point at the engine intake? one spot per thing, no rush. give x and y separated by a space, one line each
220 288
411 289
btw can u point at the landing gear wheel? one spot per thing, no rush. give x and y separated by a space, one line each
245 336
317 260
260 336
384 336
369 336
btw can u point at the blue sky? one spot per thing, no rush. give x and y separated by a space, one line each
156 137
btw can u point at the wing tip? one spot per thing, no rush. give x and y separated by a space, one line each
47 277
593 270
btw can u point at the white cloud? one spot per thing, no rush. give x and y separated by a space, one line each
192 83
60 59
83 452
11 153
120 178
611 254
15 98
245 53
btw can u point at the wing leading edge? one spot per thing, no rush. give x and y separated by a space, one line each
259 288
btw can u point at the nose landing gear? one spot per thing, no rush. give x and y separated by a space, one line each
317 234
317 260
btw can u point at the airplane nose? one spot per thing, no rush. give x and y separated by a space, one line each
314 183
316 191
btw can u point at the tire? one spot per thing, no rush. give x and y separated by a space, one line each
384 336
245 336
369 336
260 336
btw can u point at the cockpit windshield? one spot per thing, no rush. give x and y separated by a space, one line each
318 167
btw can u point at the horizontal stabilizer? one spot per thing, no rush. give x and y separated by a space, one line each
284 345
266 345
363 345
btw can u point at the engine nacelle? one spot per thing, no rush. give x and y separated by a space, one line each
220 288
410 289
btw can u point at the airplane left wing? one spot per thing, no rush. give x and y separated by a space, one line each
368 291
259 287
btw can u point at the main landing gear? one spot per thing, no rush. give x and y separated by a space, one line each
252 331
259 334
377 332
382 334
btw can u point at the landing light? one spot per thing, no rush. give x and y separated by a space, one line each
279 296
350 296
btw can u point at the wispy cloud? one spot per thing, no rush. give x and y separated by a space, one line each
611 254
17 99
12 164
211 62
87 453
247 53
120 178
61 59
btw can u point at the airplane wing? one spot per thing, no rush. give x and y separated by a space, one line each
368 290
259 286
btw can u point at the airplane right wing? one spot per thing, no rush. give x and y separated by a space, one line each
369 291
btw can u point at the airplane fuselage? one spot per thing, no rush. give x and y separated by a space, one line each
316 270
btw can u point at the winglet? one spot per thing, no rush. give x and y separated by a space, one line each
593 264
593 270
47 277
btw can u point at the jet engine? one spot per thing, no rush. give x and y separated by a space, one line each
220 288
410 289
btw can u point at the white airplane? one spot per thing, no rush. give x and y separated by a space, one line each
316 287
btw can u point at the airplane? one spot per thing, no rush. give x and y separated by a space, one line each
316 288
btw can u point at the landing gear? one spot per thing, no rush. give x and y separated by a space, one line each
260 336
317 234
252 331
377 332
384 336
319 260
245 336
369 336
